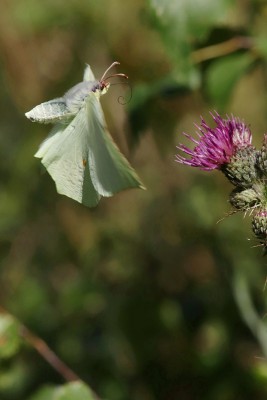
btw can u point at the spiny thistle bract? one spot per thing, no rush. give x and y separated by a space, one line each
227 147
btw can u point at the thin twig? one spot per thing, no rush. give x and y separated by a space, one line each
44 350
221 49
48 354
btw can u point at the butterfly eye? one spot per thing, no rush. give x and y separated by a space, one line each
103 85
96 87
100 86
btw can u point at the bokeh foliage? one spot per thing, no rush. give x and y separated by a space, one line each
145 297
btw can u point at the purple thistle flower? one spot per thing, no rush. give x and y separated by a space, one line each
215 146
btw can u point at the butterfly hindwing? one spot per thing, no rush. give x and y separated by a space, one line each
110 171
64 154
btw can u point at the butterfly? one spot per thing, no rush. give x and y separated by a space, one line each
79 153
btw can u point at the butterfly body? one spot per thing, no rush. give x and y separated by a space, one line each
76 96
79 153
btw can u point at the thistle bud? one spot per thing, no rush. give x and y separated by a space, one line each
241 169
259 225
244 199
261 158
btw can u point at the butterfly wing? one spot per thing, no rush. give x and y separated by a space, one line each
56 110
64 154
79 153
109 169
50 112
88 74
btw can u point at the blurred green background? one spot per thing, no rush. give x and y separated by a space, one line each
146 297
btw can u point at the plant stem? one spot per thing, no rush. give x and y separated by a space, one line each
221 49
44 350
47 353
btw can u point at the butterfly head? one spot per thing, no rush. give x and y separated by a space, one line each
101 87
103 84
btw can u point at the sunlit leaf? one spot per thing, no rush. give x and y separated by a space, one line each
69 391
9 336
183 23
223 75
46 393
189 17
14 377
74 391
260 43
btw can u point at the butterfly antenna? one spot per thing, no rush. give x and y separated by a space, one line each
114 76
121 99
111 66
104 78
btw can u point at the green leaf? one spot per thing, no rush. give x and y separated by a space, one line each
149 108
223 75
183 23
74 391
14 378
260 43
45 393
9 336
190 16
69 391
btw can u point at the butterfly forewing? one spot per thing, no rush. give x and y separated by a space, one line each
88 74
110 171
64 154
